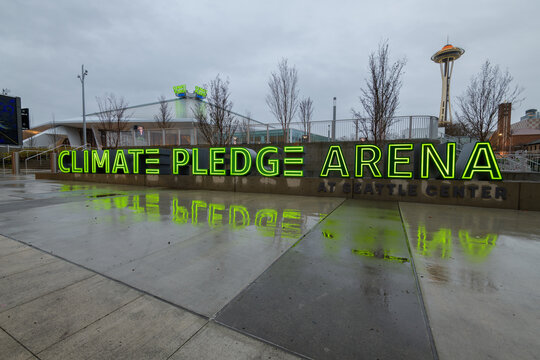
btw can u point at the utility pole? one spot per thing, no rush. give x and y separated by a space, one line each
334 122
81 77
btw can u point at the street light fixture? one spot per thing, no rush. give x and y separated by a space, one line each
81 77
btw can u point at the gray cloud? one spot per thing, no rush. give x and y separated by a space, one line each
140 49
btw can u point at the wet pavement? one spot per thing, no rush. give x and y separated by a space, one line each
480 275
270 275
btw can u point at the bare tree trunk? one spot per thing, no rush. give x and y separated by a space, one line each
305 113
113 116
214 118
283 97
478 106
164 116
380 96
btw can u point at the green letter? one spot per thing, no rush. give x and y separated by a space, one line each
371 163
214 161
179 163
152 161
274 163
74 167
120 162
394 160
135 153
235 151
61 166
334 152
86 163
482 151
103 162
195 163
293 161
429 153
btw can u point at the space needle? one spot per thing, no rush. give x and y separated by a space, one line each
445 57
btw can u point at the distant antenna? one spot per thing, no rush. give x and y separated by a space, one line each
447 39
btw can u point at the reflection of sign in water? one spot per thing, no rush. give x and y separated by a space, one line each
150 207
10 120
439 243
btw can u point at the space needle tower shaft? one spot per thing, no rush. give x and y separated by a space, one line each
445 58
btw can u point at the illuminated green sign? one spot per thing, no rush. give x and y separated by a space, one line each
201 92
179 90
401 161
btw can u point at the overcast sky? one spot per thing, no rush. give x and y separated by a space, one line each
141 49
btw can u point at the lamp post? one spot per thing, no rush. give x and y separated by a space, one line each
334 122
81 77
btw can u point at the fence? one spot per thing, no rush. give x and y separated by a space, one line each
253 132
152 137
402 127
520 161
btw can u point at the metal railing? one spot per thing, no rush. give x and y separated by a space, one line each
402 127
47 151
519 161
254 132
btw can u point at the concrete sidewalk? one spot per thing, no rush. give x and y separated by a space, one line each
102 271
53 309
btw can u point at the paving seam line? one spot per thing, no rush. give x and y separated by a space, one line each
32 268
213 317
191 337
262 340
93 322
13 253
273 262
18 342
49 292
419 289
94 272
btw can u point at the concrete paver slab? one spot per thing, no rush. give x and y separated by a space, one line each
197 249
28 285
8 246
23 260
216 342
480 275
12 350
346 291
50 318
146 328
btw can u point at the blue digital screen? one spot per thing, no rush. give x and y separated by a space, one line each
10 121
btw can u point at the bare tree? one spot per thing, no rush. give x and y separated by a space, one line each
113 116
380 96
164 116
305 113
283 97
478 106
215 119
455 129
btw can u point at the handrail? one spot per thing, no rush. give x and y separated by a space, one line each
519 161
3 163
44 152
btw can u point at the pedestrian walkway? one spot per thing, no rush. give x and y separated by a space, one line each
93 271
